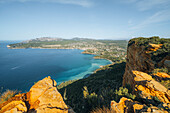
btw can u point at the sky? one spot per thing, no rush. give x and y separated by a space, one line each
98 19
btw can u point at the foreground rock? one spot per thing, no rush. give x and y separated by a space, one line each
43 97
129 106
147 88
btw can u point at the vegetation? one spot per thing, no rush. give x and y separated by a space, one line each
95 91
7 94
164 81
164 70
145 42
123 92
103 110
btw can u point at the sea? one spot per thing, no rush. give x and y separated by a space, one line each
22 68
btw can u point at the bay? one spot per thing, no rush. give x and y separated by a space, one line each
21 68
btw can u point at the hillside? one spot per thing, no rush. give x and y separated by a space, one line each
146 81
140 85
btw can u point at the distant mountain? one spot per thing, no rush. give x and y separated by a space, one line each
44 39
78 39
49 39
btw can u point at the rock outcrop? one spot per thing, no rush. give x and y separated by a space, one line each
129 106
138 75
43 97
139 63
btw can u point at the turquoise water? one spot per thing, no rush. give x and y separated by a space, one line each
20 68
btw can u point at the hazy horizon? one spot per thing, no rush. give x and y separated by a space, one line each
61 38
96 19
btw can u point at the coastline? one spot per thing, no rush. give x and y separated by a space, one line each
9 47
85 76
105 59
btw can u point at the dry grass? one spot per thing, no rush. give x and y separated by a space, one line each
166 83
103 110
7 94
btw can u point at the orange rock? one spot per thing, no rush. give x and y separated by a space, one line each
119 107
126 106
153 47
148 88
138 106
139 63
140 76
44 97
162 75
129 106
14 107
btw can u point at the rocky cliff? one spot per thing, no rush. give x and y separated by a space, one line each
144 56
43 97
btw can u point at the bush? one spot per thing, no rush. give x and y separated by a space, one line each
155 55
123 92
103 110
164 70
7 94
100 84
166 83
92 101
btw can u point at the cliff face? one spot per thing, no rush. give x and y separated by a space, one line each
138 73
43 97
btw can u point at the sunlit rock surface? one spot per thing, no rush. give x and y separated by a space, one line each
43 97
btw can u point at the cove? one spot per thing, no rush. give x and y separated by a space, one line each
21 68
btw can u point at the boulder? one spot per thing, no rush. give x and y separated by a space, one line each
14 107
43 97
126 105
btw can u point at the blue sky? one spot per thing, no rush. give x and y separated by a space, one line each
99 19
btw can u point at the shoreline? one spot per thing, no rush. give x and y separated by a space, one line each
63 48
85 76
105 59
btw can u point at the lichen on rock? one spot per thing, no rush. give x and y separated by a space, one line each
140 64
43 97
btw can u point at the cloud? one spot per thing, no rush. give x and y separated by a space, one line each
158 17
144 5
128 1
83 3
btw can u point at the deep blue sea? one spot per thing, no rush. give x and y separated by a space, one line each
21 68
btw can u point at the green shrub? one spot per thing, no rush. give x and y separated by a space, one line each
104 83
91 100
166 83
123 92
7 94
164 70
155 55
